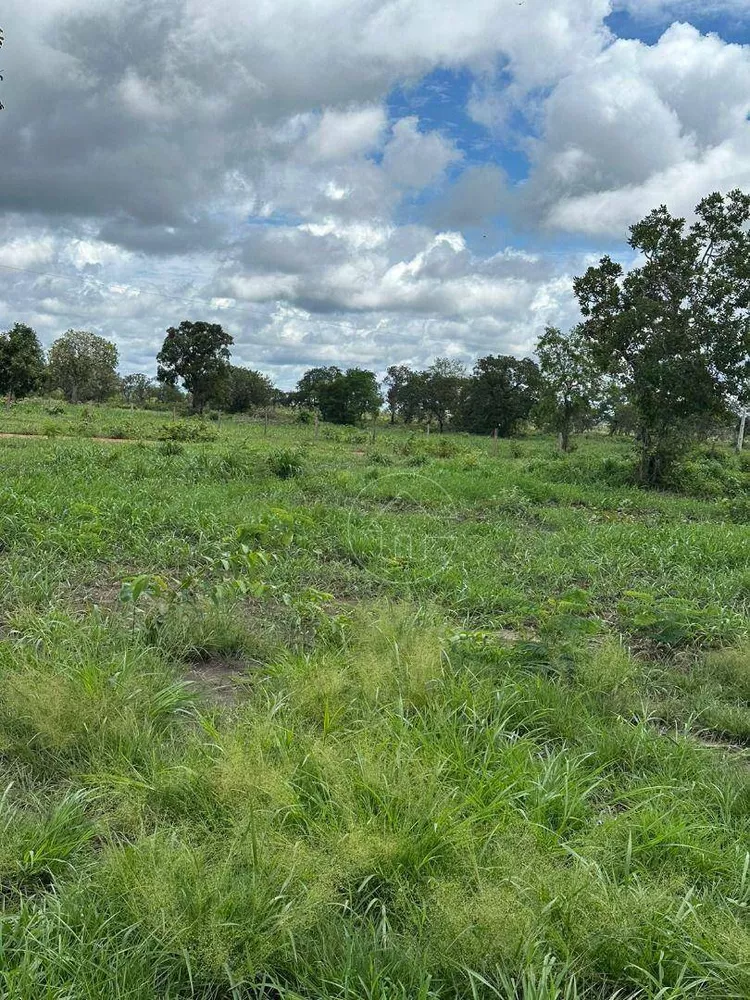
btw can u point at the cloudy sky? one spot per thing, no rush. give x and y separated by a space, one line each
359 182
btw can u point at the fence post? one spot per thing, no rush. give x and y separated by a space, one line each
741 435
495 441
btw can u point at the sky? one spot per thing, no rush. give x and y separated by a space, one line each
351 182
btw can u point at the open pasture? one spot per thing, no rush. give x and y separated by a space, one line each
296 713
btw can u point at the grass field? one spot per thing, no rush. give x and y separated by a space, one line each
301 714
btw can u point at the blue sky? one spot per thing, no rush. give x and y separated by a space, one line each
350 181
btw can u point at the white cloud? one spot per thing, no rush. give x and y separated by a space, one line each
417 159
641 125
339 135
236 161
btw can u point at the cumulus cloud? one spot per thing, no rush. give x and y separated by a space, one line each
243 162
639 125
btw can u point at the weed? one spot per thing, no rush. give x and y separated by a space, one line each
286 463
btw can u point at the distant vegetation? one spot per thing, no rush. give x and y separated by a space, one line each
662 354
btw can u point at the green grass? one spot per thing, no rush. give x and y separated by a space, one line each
395 719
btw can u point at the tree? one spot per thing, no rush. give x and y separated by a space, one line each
412 397
308 387
441 387
22 363
501 393
571 385
246 388
169 395
84 366
675 329
348 397
396 382
137 388
198 355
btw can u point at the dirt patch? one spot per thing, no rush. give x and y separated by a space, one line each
222 681
71 437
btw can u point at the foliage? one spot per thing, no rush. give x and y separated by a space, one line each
501 393
347 397
246 389
197 354
187 430
22 364
137 388
570 385
277 762
396 384
676 329
84 366
285 463
309 386
440 388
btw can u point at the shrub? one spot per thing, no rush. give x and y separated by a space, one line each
285 463
184 430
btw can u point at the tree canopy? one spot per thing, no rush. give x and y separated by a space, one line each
501 393
441 386
570 384
197 354
246 389
348 397
675 330
308 387
22 364
84 366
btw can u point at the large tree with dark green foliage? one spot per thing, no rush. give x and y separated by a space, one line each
411 397
396 382
84 366
348 397
676 328
246 389
502 392
441 386
570 383
22 362
197 354
309 386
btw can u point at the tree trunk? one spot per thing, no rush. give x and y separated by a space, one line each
565 438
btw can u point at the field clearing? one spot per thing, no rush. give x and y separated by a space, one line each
302 714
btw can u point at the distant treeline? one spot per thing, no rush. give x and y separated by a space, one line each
662 352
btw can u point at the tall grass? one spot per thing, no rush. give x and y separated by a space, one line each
521 775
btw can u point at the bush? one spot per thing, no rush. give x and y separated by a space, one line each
213 415
705 476
304 417
121 431
184 430
54 409
171 448
285 463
